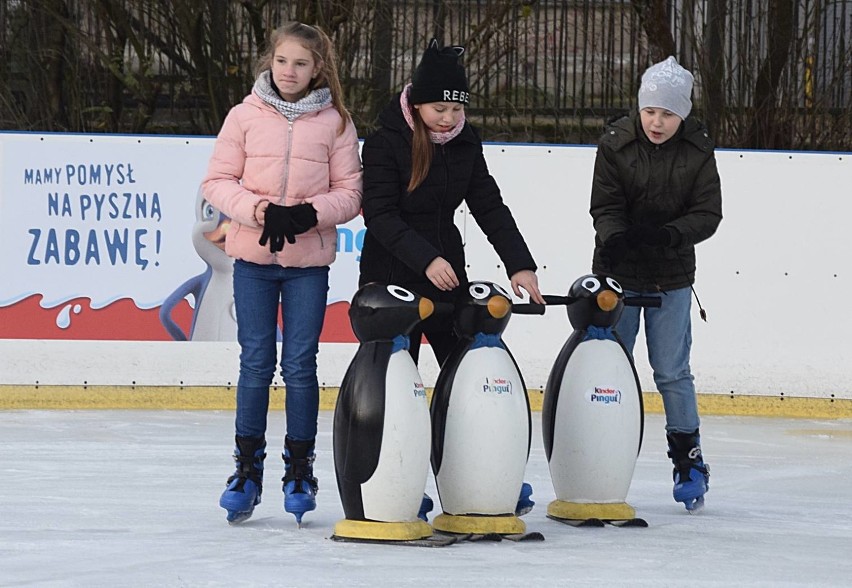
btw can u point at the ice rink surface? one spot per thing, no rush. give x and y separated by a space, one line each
130 498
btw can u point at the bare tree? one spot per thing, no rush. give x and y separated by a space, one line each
381 51
764 132
654 19
712 66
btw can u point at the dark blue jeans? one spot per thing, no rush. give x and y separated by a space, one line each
301 293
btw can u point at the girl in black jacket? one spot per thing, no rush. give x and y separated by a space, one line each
419 167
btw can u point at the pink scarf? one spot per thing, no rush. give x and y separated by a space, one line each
439 138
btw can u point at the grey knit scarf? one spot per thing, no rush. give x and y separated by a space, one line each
315 100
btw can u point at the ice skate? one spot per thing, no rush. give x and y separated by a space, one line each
300 485
525 503
244 487
691 475
426 506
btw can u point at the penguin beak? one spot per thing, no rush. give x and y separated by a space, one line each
607 300
426 308
217 235
498 306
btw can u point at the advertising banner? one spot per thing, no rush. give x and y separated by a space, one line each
109 238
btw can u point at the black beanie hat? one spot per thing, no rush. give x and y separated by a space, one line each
439 76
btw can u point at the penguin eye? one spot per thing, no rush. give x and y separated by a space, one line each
479 291
614 285
502 291
591 284
400 293
207 211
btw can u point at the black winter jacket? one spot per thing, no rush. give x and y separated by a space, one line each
673 185
406 231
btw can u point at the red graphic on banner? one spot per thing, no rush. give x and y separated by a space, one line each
124 321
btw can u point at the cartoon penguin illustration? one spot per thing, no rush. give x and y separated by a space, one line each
381 421
481 423
592 413
214 318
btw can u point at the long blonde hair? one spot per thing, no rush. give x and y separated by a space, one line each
422 150
315 40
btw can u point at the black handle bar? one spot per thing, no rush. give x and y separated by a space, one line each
535 308
552 300
528 308
646 301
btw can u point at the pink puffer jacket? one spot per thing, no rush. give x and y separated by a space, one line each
260 155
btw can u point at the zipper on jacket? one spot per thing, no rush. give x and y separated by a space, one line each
287 166
287 159
441 202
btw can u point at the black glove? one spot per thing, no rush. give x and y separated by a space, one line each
649 235
616 247
304 217
277 226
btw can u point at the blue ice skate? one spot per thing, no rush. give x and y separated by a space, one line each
245 485
525 503
300 485
691 475
691 492
426 506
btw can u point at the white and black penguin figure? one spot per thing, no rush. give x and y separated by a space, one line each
382 433
592 414
481 424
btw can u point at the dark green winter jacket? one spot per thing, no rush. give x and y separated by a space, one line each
406 231
674 185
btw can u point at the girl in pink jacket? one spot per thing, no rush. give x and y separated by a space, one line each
285 168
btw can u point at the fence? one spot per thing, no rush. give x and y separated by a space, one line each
541 71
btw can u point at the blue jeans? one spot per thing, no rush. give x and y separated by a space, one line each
668 333
302 294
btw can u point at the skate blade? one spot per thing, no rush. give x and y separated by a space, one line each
493 537
695 506
436 540
238 518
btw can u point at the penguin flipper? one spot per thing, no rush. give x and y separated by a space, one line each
551 389
359 421
441 400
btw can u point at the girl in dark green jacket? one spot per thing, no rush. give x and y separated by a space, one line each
655 194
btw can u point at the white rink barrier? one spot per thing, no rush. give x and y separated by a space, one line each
773 280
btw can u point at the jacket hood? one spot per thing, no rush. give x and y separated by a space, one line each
627 129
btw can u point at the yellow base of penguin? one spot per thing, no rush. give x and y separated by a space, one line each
479 524
577 511
382 531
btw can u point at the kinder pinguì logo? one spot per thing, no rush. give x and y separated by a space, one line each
606 395
497 386
419 390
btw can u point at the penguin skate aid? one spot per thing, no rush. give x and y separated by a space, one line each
592 413
282 237
381 421
481 422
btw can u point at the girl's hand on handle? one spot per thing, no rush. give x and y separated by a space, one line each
527 280
441 273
